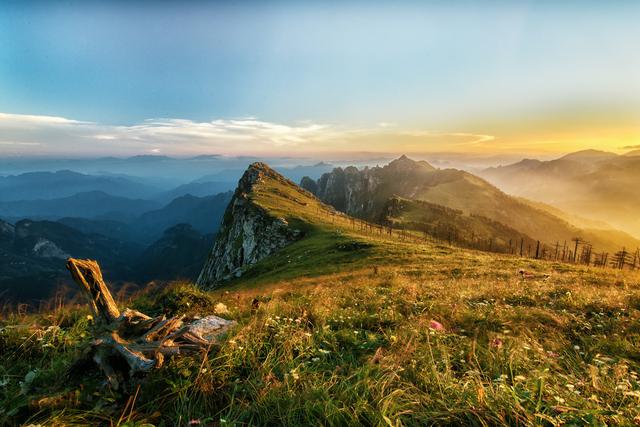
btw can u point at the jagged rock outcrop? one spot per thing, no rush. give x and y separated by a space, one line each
363 193
249 233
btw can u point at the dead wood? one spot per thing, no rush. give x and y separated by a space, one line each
141 341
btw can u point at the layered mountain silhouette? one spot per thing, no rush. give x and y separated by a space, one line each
203 214
93 204
592 184
66 183
178 254
141 239
365 193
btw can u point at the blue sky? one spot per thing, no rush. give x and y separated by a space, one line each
496 68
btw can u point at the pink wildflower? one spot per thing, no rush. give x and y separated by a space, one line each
435 325
496 342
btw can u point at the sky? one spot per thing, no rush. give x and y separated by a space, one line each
318 79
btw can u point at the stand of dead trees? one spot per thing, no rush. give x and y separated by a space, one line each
142 342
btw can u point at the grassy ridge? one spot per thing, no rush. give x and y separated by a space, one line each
355 329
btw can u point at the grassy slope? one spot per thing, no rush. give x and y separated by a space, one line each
333 342
469 229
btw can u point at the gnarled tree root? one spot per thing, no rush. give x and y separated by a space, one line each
142 342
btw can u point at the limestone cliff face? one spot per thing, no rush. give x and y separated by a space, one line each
248 234
363 193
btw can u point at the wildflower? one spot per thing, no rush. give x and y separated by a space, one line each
323 351
195 422
520 378
576 347
497 343
435 325
220 308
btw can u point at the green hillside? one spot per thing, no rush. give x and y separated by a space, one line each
453 226
351 326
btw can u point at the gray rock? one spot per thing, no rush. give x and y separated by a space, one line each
248 234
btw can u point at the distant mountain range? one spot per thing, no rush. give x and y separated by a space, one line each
66 183
178 254
134 240
141 232
592 184
366 193
92 204
203 214
161 172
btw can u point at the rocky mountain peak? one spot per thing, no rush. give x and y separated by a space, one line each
255 173
249 232
405 163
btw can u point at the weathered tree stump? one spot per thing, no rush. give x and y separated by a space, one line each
141 341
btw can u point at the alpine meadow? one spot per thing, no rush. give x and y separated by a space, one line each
319 214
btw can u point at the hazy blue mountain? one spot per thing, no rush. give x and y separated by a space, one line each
294 173
110 228
93 204
204 214
65 183
186 249
199 189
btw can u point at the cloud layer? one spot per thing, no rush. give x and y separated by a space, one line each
49 135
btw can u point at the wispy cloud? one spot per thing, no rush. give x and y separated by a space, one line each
28 119
243 136
19 143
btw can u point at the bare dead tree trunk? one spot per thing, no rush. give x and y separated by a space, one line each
141 341
86 273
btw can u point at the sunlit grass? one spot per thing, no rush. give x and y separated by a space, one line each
356 348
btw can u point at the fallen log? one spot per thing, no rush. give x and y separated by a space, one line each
141 341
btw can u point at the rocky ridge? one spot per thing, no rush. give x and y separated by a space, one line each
249 233
363 193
